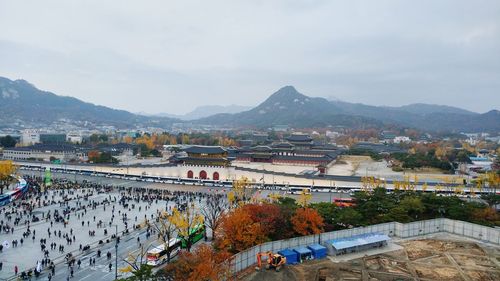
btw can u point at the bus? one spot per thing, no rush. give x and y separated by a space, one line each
344 202
196 234
158 255
299 190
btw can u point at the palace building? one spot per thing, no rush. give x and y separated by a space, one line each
199 155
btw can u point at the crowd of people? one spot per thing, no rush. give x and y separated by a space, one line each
62 203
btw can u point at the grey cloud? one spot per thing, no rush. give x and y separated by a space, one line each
170 56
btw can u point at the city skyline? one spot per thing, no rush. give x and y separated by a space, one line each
192 54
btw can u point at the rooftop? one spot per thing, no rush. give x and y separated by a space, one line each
201 149
299 137
358 240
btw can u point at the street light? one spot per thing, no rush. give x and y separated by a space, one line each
116 251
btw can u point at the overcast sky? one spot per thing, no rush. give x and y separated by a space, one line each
171 56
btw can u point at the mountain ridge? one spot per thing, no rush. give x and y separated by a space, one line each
289 107
202 111
22 102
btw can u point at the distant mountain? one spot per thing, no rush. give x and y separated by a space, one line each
22 103
423 109
289 107
205 111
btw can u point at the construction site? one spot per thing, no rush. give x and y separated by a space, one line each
432 258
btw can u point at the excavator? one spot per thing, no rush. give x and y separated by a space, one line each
275 261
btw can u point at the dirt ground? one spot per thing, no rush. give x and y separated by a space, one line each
347 165
425 259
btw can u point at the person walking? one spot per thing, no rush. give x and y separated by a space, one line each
16 269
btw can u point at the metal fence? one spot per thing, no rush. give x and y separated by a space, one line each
248 258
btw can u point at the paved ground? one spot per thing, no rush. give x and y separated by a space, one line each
99 207
27 255
316 196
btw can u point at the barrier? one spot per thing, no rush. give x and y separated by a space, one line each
246 259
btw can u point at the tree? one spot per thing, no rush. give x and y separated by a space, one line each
186 221
165 229
347 217
238 231
7 141
270 218
213 210
127 139
93 156
486 215
135 264
307 221
143 273
7 169
239 189
326 210
399 214
146 140
491 199
412 205
304 198
203 264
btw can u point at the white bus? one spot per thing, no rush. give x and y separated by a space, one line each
158 255
299 190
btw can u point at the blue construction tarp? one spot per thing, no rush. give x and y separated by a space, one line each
318 250
291 256
358 240
302 250
303 253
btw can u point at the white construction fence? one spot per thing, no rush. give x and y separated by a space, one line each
248 258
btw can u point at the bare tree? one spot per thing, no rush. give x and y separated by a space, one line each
213 210
136 265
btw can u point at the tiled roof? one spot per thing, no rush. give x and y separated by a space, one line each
199 149
299 137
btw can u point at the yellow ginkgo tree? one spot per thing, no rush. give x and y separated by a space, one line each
304 199
166 230
240 188
7 169
186 222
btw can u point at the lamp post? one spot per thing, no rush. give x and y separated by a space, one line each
116 252
330 191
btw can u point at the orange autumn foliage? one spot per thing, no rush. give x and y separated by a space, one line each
93 155
486 214
268 215
307 221
238 231
202 264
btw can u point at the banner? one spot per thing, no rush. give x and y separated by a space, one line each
48 178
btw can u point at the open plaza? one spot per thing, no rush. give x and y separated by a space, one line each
81 220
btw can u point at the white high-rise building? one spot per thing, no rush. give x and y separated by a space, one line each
30 137
74 137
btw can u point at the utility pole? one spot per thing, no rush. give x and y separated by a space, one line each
116 252
330 191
